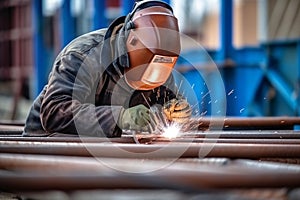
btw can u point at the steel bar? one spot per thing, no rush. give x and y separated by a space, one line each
12 122
11 129
235 123
254 134
246 134
228 122
70 139
244 123
153 140
167 150
32 172
227 140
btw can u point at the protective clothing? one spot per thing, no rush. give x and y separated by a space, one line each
84 96
87 92
177 110
138 118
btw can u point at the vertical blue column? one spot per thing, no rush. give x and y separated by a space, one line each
99 18
38 48
67 23
167 1
126 6
298 81
226 27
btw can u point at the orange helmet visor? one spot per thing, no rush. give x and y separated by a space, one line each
153 48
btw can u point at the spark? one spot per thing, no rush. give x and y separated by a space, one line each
205 94
231 92
204 113
178 89
146 100
171 131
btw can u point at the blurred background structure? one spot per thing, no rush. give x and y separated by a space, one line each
254 43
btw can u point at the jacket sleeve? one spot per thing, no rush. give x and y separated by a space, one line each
69 102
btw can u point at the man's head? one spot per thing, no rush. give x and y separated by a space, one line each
151 39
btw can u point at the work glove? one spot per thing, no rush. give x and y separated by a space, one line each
138 118
177 110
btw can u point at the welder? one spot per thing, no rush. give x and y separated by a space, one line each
108 80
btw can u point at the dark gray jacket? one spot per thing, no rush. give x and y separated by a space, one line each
83 96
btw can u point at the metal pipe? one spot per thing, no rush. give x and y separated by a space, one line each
213 124
12 122
244 123
31 172
168 150
70 139
11 130
228 140
276 134
246 134
153 140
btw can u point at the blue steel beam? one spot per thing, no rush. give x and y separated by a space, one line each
39 47
283 88
282 71
67 24
298 81
99 18
167 1
226 27
126 6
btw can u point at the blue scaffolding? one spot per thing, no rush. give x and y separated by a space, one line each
264 80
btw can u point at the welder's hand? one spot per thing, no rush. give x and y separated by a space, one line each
177 110
138 118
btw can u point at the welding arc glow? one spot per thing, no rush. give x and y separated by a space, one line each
171 131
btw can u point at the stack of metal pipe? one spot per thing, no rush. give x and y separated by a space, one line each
246 159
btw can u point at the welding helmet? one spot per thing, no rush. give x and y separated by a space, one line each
151 41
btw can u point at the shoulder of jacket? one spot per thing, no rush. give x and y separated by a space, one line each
84 43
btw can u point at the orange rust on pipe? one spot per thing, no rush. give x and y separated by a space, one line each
32 172
6 129
248 134
227 140
247 122
245 134
156 140
70 139
203 123
168 150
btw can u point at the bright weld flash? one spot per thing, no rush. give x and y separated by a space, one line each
171 131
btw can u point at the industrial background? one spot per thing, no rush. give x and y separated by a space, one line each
255 45
242 55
